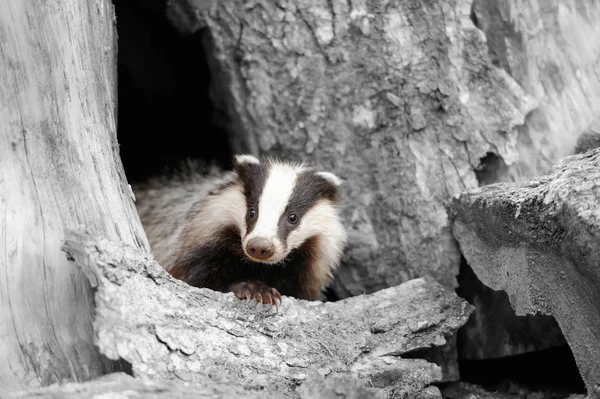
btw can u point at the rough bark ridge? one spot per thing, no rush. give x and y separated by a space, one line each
167 329
539 242
398 98
59 167
551 48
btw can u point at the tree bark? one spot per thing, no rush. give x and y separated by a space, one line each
168 330
398 98
551 48
539 242
59 168
123 386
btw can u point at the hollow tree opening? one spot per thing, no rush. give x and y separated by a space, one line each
165 114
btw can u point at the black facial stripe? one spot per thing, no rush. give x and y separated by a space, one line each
253 177
308 190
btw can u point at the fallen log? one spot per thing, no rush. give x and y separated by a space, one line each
540 242
168 330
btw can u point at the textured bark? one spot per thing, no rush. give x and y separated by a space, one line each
59 168
167 329
551 48
398 98
540 242
122 386
463 390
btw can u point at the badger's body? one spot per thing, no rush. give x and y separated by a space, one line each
265 228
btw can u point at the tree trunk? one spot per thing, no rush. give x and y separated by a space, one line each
59 168
398 98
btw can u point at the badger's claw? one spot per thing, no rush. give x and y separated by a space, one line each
256 290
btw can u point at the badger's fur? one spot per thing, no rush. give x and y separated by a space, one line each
268 227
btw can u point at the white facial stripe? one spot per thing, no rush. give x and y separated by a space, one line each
272 203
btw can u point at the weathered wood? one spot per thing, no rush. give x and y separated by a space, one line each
398 98
122 386
167 329
59 167
551 48
463 390
540 242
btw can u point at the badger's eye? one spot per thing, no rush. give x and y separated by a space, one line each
251 213
292 218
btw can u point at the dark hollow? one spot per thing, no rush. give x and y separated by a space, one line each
165 114
492 169
548 369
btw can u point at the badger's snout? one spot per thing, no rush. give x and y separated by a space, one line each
260 248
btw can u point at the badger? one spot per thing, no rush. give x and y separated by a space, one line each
268 228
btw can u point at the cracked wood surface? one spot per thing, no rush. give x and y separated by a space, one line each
540 242
398 98
59 168
169 330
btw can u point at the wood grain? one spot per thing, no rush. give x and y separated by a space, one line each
59 168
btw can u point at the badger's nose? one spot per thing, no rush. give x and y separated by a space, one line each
260 248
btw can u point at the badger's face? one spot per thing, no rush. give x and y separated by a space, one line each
286 205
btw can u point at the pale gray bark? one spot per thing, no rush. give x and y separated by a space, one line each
551 48
169 330
540 242
59 168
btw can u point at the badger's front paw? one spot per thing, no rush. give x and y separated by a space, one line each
258 290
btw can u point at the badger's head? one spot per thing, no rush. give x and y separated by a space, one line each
286 206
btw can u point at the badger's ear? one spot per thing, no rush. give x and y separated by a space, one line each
246 167
244 159
244 162
330 177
